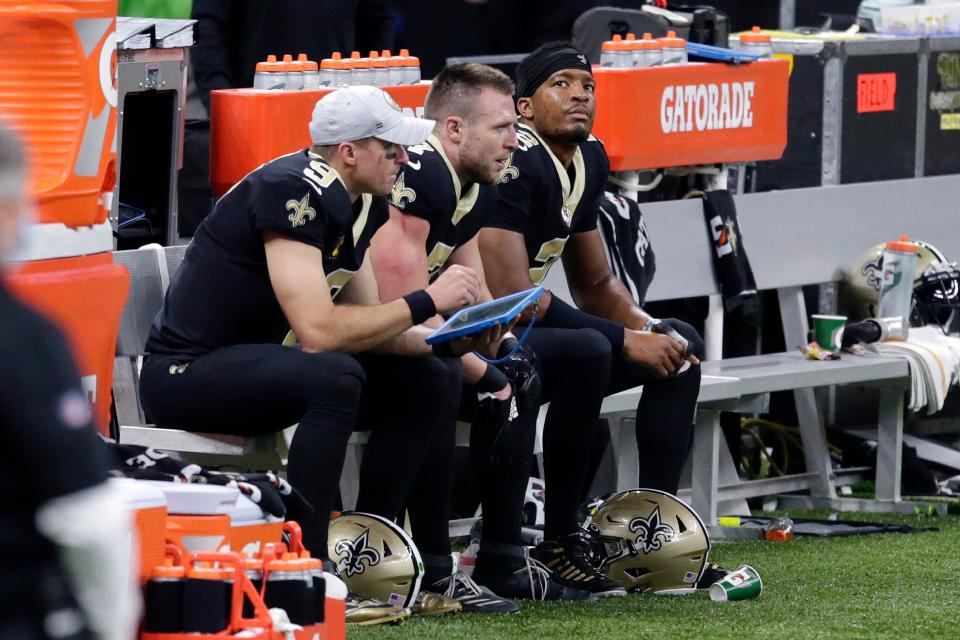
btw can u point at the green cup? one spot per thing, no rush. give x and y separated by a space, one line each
827 331
743 583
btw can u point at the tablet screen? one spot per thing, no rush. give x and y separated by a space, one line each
492 309
476 318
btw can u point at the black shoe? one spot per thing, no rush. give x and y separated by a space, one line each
531 581
471 596
567 558
711 573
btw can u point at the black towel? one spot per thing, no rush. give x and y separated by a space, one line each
731 265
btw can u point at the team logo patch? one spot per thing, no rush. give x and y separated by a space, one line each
74 410
582 58
354 552
652 532
401 195
301 211
690 577
873 273
509 172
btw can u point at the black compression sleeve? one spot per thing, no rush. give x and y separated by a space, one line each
562 316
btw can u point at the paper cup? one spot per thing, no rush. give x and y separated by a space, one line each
744 583
827 331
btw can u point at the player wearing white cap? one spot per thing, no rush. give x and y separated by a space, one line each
273 254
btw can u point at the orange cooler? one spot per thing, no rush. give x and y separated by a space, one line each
57 69
250 126
84 296
149 506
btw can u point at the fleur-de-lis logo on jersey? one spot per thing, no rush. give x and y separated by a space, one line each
354 552
652 533
300 210
509 172
401 196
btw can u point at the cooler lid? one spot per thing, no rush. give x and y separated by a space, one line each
197 499
138 494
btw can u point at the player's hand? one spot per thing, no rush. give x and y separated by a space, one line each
664 328
658 352
458 286
482 341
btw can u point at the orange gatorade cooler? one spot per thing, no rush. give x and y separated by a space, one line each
250 527
149 507
57 70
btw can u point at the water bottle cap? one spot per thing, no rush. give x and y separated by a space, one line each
167 570
903 244
205 571
282 565
253 564
755 35
270 64
386 54
409 61
376 61
335 63
631 36
671 40
648 43
308 65
287 57
355 55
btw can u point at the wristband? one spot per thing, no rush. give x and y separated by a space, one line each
650 324
561 315
444 350
422 307
492 380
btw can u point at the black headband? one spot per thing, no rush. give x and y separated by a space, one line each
534 70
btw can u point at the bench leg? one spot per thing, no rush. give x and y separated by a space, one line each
889 444
813 436
706 455
626 458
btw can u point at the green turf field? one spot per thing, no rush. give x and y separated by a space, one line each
876 586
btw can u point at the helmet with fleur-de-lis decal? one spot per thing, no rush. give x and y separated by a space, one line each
648 540
375 557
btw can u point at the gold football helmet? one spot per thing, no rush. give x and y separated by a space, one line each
936 286
376 558
649 541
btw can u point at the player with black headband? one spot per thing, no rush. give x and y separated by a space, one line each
273 254
547 209
438 205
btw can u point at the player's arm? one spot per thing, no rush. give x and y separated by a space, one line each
468 255
594 287
399 266
299 282
505 267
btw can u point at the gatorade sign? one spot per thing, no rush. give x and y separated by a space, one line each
876 92
692 114
725 105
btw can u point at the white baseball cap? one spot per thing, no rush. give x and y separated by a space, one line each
353 113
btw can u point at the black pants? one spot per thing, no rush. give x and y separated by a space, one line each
410 406
578 369
261 389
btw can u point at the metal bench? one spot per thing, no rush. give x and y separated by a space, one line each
794 238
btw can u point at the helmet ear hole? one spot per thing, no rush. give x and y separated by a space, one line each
636 572
680 526
386 550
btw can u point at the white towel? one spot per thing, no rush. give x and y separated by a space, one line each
934 361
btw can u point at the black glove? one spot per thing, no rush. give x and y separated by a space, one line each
515 419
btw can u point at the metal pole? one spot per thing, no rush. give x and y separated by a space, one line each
788 14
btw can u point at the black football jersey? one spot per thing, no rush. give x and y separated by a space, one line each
627 244
222 295
545 202
429 188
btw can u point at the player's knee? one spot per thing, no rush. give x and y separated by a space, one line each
697 346
337 376
438 377
589 347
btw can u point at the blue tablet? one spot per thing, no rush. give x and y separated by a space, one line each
478 317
